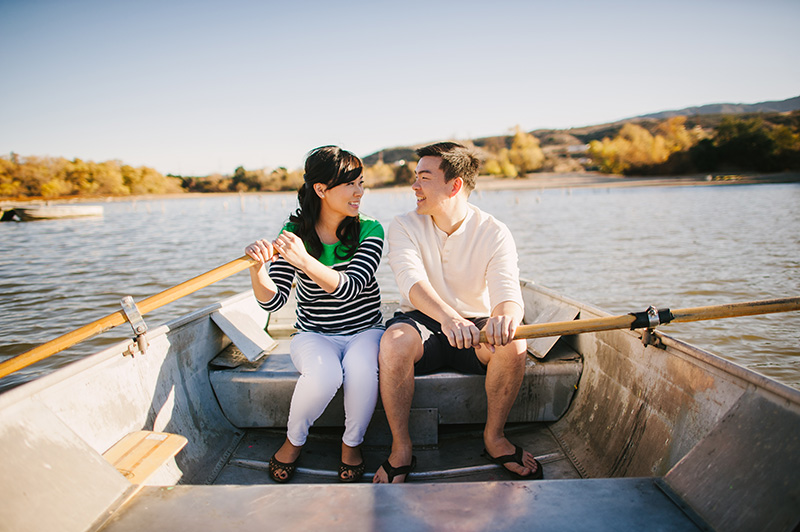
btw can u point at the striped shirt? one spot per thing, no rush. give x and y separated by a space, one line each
354 306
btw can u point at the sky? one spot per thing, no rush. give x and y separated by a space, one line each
202 87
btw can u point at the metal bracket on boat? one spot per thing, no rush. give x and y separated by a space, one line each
649 337
138 325
650 319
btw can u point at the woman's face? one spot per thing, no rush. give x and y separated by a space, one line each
344 199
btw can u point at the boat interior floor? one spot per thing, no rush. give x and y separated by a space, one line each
456 457
452 488
601 505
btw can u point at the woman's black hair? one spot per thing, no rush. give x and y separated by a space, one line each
330 166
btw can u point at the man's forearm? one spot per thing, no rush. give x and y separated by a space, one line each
509 308
426 300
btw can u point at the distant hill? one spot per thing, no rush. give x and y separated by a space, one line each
706 116
782 106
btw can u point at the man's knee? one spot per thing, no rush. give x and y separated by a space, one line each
513 354
400 345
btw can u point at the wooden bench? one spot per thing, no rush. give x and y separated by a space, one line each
140 454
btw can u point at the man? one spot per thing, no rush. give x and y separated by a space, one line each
456 268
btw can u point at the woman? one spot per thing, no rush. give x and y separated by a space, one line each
333 252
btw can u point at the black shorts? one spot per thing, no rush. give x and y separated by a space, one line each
437 351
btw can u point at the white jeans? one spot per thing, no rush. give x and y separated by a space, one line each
325 363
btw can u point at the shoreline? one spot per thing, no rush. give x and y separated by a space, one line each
535 181
589 180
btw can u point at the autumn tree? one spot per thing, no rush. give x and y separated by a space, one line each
379 173
500 164
52 177
10 185
523 156
91 178
144 180
635 147
525 153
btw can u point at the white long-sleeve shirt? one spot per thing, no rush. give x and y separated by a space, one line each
473 270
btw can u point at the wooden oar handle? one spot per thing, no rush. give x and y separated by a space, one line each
558 328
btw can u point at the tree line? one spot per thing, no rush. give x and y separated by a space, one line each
768 143
675 146
52 177
242 180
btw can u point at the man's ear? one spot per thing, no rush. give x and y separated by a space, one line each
456 185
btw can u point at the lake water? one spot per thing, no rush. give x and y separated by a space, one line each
621 249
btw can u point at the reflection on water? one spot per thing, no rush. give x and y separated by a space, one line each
619 249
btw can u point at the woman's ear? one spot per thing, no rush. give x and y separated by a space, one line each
319 188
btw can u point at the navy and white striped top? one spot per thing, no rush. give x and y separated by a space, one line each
354 306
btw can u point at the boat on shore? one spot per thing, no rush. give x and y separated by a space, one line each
33 213
636 430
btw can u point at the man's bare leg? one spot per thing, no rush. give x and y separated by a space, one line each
401 347
504 374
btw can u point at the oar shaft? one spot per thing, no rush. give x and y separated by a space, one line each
118 318
52 347
193 285
750 308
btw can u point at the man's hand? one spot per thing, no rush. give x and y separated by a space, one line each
461 333
502 325
500 330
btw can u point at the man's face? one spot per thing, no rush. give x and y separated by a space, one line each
429 187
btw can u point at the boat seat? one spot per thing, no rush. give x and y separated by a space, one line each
258 394
140 454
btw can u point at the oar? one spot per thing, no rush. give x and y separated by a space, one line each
646 319
118 318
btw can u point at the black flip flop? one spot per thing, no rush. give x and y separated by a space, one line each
517 459
392 471
275 465
356 470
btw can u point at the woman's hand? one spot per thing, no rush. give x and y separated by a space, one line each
261 250
291 248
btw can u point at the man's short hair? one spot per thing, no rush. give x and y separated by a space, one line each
457 161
